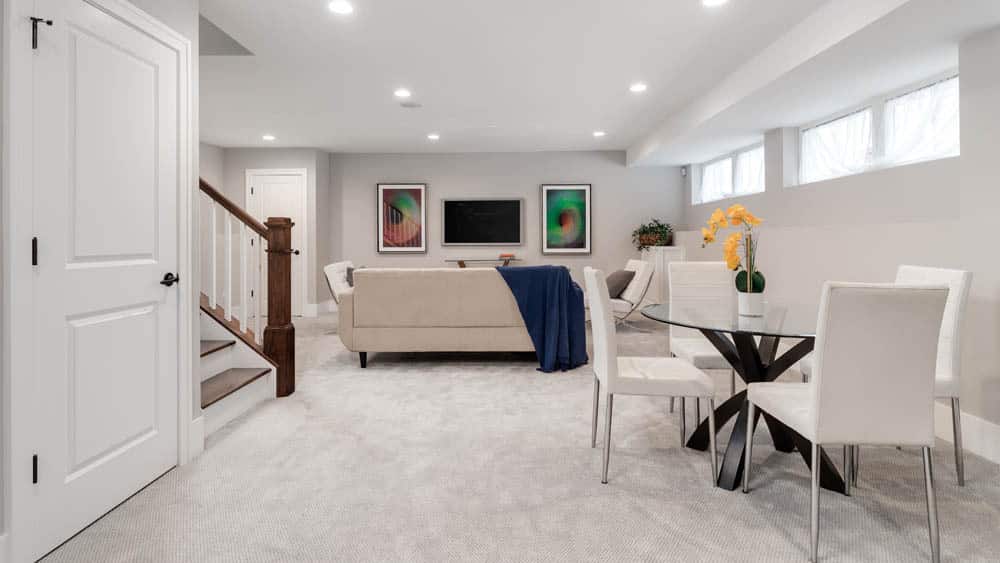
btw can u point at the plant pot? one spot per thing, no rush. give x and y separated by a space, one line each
751 304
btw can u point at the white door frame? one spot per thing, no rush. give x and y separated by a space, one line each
16 283
259 214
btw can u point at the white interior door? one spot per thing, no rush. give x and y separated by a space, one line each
106 146
282 193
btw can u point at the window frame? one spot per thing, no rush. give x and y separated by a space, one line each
734 157
877 106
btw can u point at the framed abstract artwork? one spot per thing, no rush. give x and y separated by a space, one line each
566 219
402 218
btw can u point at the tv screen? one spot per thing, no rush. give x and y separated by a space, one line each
482 221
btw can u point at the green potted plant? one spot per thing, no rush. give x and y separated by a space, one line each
654 233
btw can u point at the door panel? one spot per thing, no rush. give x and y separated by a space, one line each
281 194
105 199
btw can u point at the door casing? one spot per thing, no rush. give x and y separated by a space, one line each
17 296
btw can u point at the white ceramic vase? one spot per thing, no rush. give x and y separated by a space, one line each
751 304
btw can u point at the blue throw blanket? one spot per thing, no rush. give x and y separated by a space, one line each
551 304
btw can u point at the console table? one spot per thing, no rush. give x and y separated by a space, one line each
463 262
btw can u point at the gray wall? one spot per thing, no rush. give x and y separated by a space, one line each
939 213
621 199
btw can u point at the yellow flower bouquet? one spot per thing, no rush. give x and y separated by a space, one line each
740 247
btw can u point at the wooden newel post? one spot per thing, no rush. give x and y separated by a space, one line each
279 336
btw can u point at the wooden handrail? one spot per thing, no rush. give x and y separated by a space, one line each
231 207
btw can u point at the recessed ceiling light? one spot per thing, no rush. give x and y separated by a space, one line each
713 3
433 136
402 93
268 137
342 7
599 133
638 87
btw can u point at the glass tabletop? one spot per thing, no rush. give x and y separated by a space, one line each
792 321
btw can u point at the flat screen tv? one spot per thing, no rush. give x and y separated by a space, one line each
495 221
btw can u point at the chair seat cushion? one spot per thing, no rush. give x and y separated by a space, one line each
788 402
698 352
670 377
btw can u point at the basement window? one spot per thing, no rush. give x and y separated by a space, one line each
731 175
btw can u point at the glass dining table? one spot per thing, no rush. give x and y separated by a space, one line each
751 346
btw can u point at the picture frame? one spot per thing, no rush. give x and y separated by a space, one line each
566 219
401 218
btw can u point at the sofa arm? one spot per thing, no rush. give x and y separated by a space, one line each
345 326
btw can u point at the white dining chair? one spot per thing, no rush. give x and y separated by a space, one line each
665 377
949 347
873 382
705 290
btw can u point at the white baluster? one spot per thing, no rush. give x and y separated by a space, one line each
213 294
228 274
258 333
263 280
244 292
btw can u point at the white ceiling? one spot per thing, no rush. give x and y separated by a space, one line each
501 75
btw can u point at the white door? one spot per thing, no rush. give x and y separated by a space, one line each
106 110
282 193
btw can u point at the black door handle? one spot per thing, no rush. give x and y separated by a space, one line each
295 252
170 279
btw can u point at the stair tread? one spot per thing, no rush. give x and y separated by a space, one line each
233 326
227 382
209 346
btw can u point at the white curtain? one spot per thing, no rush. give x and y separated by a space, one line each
837 148
716 180
750 171
923 124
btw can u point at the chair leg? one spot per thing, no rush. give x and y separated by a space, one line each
956 421
683 421
711 443
748 453
932 515
593 424
732 382
856 465
607 437
814 505
697 411
848 468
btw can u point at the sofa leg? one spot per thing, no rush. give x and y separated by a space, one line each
364 359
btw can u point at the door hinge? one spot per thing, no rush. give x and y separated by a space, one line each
34 30
251 293
251 190
34 469
34 251
251 242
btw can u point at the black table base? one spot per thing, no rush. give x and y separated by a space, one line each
756 363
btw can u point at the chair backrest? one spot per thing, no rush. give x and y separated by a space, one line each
603 323
636 289
949 356
336 278
876 346
705 289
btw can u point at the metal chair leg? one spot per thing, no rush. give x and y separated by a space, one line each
697 411
848 468
748 453
711 443
593 425
856 465
607 437
683 421
814 505
932 514
956 421
732 382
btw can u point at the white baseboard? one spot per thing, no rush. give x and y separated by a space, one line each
196 438
979 436
219 414
310 310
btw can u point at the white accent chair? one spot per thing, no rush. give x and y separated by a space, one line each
336 278
949 347
635 291
873 384
666 377
705 289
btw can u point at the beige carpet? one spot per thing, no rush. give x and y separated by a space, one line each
482 458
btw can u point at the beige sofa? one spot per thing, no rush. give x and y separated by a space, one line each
431 310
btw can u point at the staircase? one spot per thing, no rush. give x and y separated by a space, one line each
247 355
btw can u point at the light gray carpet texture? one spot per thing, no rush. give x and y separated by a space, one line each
479 457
